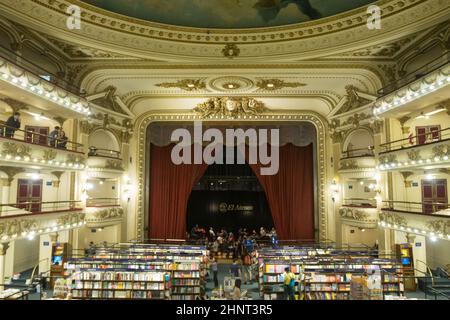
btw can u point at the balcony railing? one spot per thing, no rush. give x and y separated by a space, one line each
102 202
38 70
106 153
416 141
36 207
38 139
416 74
424 208
361 152
359 203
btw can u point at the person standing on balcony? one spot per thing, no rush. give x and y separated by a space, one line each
12 124
53 136
62 140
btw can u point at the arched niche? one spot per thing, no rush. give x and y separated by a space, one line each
103 139
358 139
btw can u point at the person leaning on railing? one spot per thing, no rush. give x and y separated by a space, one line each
53 136
62 140
11 125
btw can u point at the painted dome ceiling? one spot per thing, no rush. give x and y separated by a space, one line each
228 14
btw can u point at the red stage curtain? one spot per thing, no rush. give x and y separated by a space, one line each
170 188
290 193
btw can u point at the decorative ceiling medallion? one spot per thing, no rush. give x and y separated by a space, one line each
277 84
231 83
231 86
185 84
231 50
226 107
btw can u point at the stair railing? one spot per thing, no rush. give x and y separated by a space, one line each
428 270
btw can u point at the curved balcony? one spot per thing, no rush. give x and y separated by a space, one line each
103 212
358 163
104 163
27 148
30 219
425 86
424 218
425 151
360 213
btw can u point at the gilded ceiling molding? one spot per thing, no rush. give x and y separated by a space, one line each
185 84
353 100
277 84
96 70
230 108
143 121
168 41
231 51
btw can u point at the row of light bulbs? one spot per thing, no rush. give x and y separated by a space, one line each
65 102
412 95
412 163
432 235
75 165
31 234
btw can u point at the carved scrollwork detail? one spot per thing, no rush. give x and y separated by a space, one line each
231 50
388 158
114 165
439 226
230 107
88 128
49 155
356 119
354 100
441 150
349 165
15 150
71 158
337 136
185 84
393 218
354 214
414 155
376 126
17 226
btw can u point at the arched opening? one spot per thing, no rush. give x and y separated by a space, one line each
358 143
103 140
290 192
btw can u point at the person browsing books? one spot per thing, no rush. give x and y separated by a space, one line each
289 283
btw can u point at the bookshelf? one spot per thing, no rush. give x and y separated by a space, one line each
327 275
186 279
114 273
101 284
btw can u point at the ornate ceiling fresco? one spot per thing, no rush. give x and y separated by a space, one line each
229 14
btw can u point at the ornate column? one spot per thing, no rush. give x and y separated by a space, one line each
3 248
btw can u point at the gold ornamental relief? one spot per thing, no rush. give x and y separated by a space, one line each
226 107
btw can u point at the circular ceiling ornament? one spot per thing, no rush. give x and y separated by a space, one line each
231 84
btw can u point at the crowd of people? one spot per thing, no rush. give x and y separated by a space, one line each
240 246
57 138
